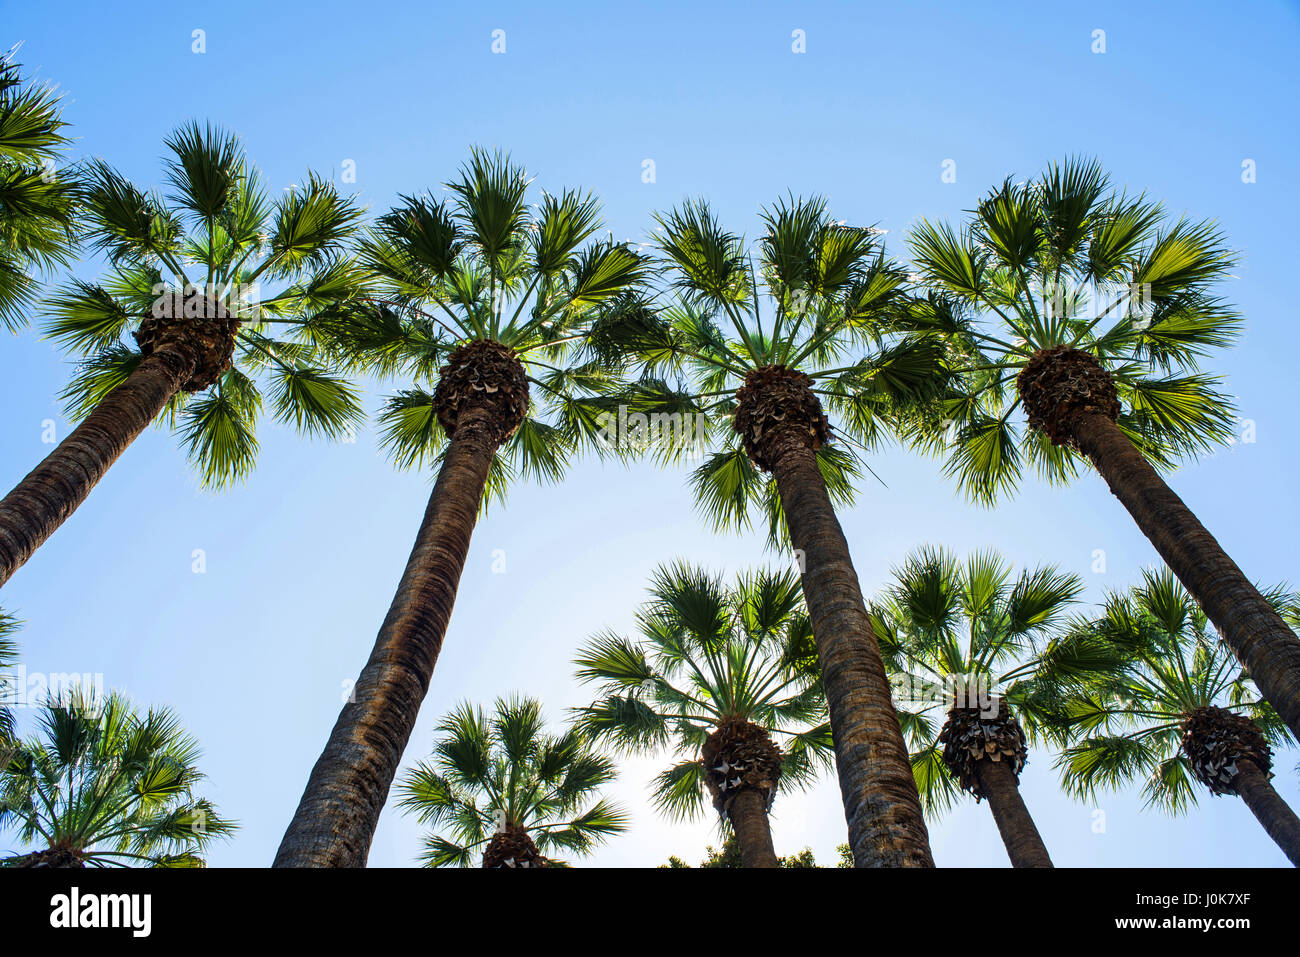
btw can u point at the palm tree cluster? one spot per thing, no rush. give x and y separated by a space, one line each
1062 326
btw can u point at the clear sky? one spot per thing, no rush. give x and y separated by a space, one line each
301 562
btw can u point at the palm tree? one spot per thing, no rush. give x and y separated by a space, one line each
968 641
199 348
105 786
1093 310
1182 713
713 675
481 301
37 206
768 376
502 790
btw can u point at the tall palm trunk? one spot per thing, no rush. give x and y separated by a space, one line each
748 813
886 827
1269 809
337 815
1250 626
51 492
1024 845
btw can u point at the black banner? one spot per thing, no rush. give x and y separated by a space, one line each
319 907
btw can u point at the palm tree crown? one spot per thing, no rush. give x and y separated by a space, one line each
968 636
1154 719
105 786
708 659
814 311
499 786
190 266
502 293
1064 263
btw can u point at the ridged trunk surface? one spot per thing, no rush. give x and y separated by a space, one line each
748 813
886 827
51 857
1269 809
336 818
52 491
513 847
1250 626
1024 844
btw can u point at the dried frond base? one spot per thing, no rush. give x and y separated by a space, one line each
1216 740
775 407
52 857
969 737
487 375
513 847
737 756
197 325
1061 383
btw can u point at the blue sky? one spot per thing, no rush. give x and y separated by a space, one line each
302 560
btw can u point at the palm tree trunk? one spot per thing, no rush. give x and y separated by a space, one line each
748 814
1250 626
1024 845
51 492
886 828
1269 809
339 810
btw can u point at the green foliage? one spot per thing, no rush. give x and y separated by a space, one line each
947 626
1065 260
113 785
505 770
9 625
484 265
729 856
218 220
38 203
817 296
706 653
1125 723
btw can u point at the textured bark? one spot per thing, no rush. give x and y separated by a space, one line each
1024 845
886 827
339 810
748 813
1269 809
1250 626
512 847
50 857
51 492
973 736
1217 742
739 755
